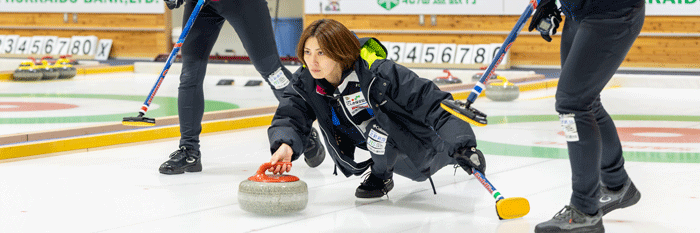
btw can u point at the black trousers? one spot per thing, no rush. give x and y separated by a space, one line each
251 21
592 50
387 159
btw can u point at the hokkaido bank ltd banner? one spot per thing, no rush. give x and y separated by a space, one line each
83 6
469 7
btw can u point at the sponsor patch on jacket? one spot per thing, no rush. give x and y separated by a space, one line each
278 79
355 103
376 142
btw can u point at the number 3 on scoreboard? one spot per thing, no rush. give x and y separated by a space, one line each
396 51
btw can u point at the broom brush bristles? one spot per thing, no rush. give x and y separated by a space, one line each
140 120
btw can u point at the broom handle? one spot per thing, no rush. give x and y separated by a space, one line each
171 58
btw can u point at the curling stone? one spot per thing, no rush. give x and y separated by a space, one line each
449 79
65 69
70 61
27 71
47 71
502 91
272 195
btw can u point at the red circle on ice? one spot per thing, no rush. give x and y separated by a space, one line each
658 135
33 106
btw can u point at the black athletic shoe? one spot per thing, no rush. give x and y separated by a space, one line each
181 161
612 200
470 157
374 187
572 220
315 153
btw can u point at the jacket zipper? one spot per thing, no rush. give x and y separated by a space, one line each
369 88
325 136
345 111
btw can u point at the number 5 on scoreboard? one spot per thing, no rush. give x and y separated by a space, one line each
430 53
36 45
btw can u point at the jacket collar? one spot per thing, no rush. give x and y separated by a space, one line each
323 87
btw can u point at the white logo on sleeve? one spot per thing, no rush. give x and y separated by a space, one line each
355 102
376 142
278 79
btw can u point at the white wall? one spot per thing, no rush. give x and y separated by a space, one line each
228 39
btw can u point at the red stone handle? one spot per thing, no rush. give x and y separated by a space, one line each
449 75
265 166
260 175
448 72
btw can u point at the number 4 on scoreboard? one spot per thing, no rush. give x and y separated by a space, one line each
412 53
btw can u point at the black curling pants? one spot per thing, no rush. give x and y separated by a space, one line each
251 21
591 52
387 159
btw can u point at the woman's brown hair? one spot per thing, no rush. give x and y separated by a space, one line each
336 41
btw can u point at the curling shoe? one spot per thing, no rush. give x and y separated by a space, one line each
315 153
627 196
181 161
374 187
570 220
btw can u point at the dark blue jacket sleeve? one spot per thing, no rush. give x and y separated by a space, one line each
292 122
422 98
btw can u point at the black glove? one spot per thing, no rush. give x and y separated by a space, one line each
470 157
172 4
546 19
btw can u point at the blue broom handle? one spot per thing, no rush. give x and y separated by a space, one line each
485 182
171 58
479 87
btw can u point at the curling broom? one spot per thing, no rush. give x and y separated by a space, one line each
506 208
464 111
140 120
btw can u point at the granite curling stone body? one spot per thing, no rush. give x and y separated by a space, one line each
272 195
502 91
27 71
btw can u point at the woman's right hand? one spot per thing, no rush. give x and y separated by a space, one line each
283 154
